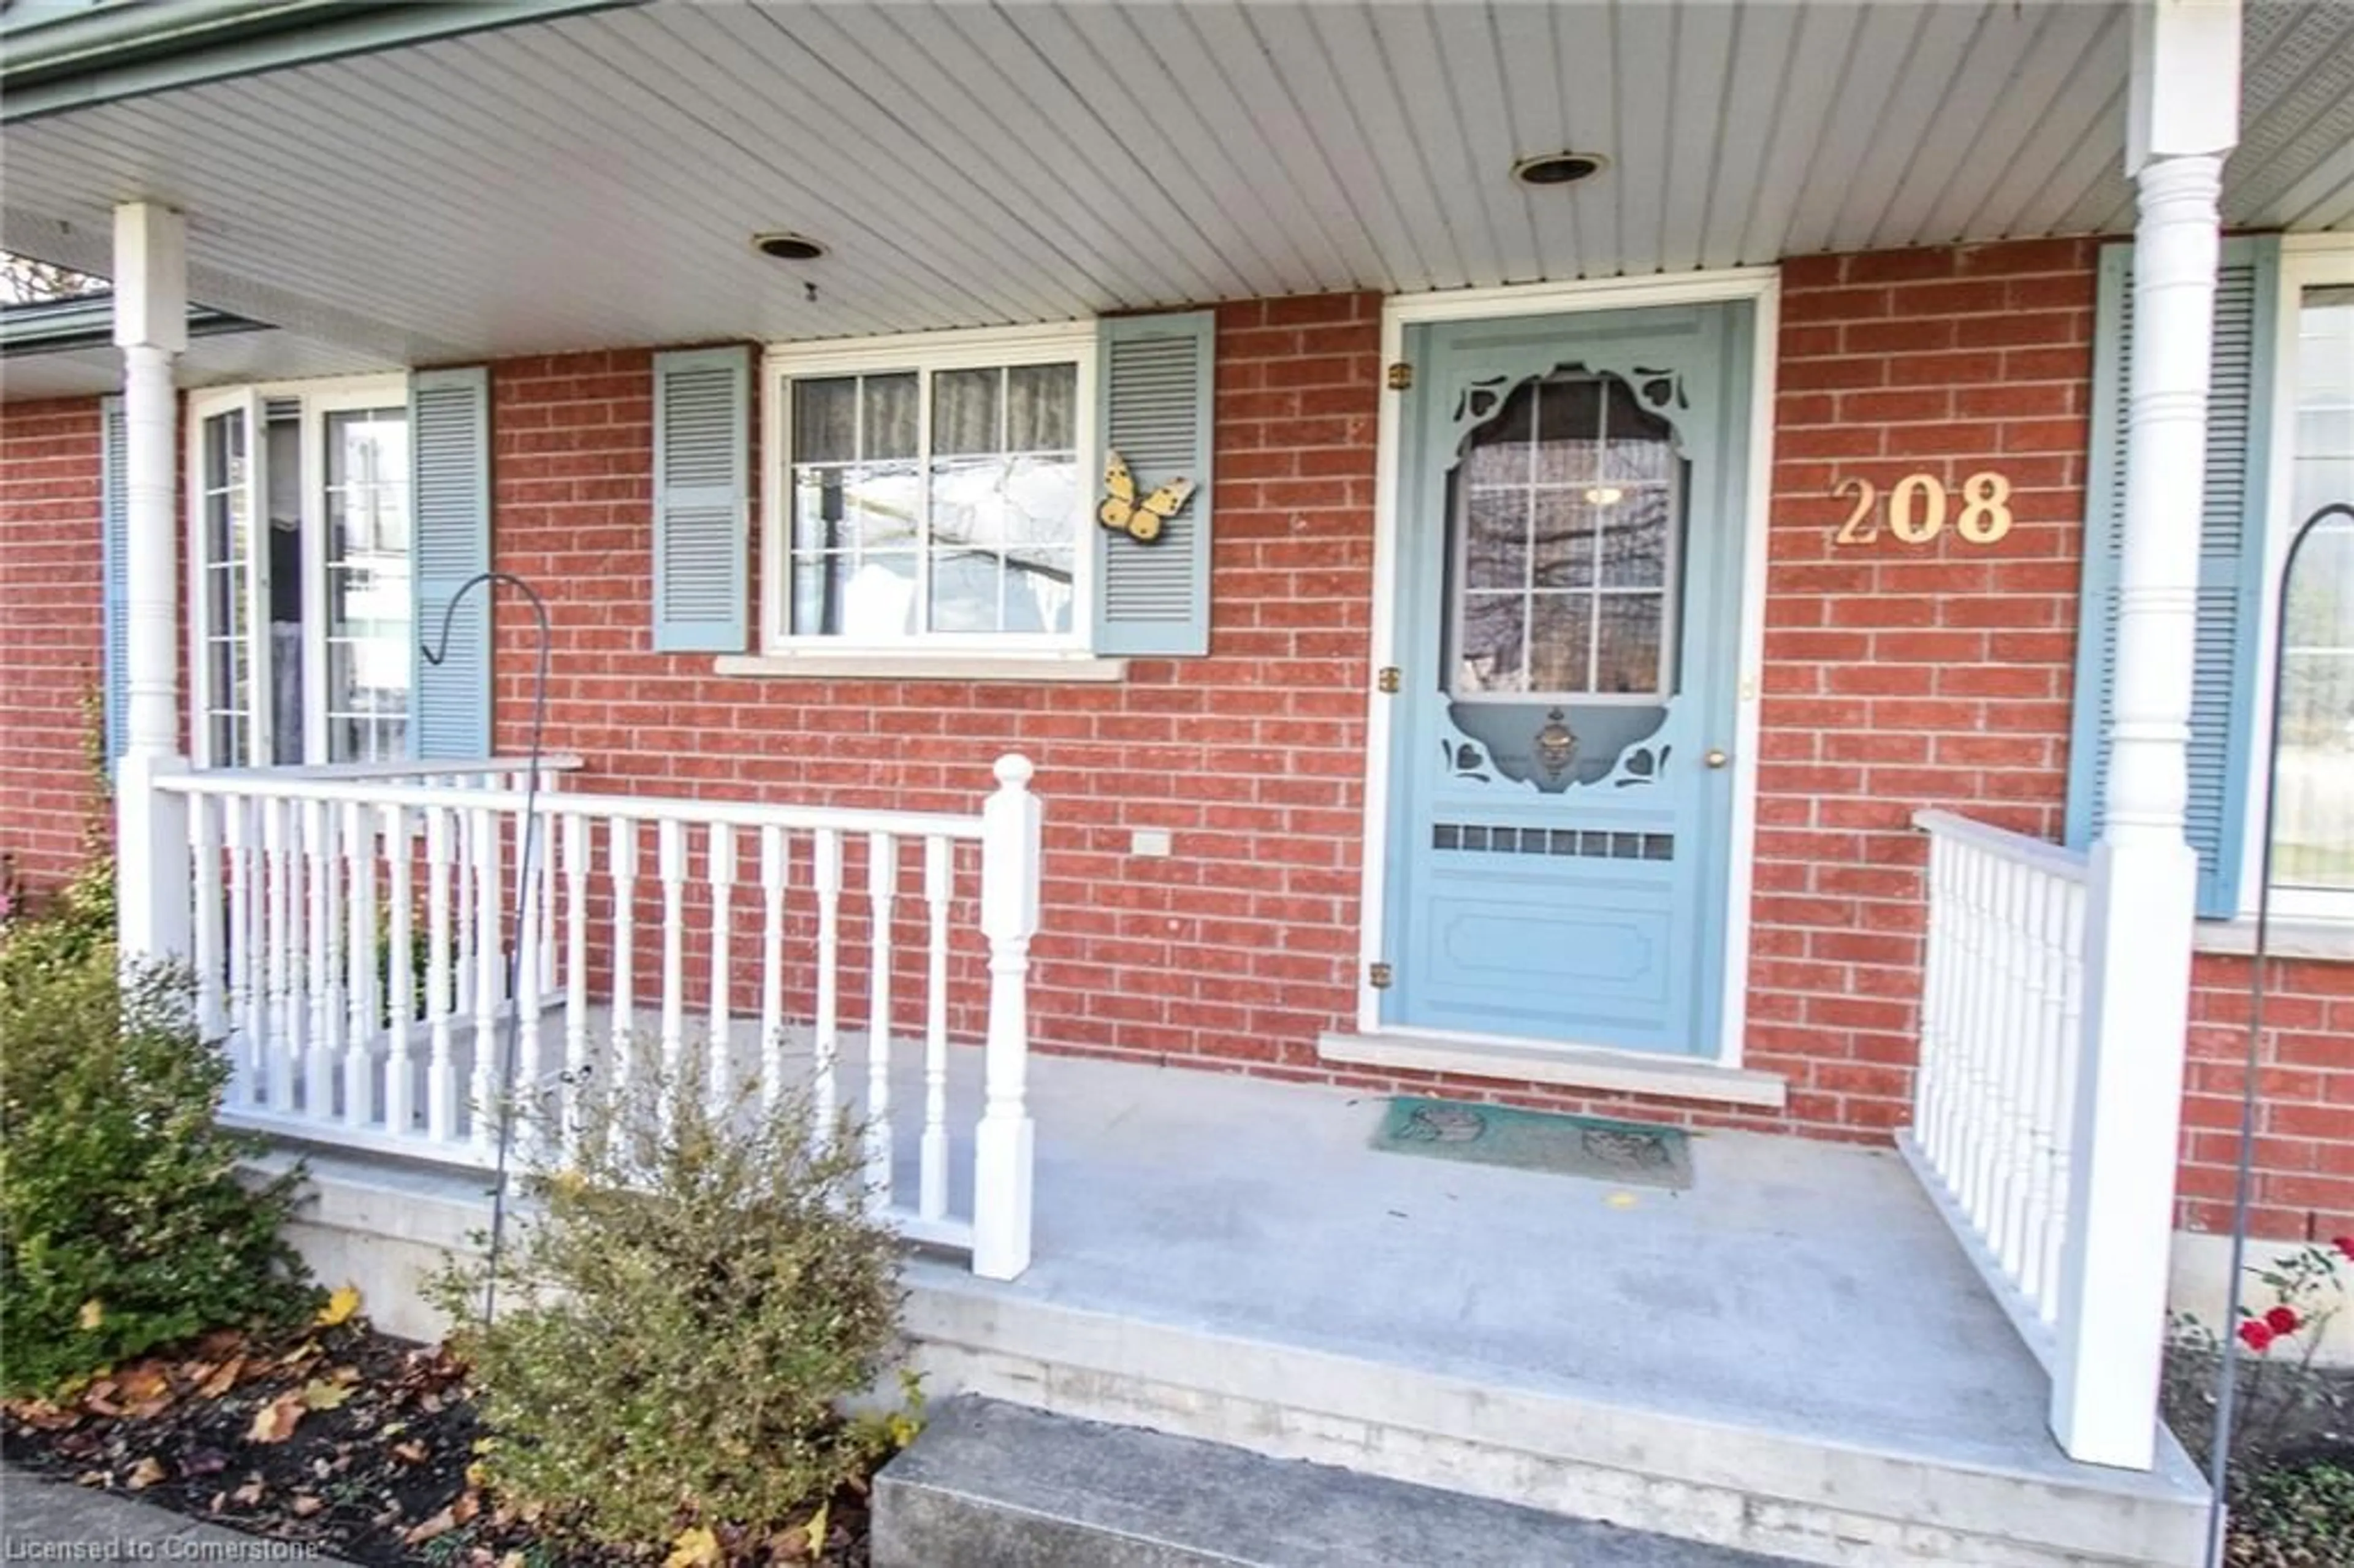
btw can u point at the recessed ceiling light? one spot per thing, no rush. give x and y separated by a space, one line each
788 247
1558 168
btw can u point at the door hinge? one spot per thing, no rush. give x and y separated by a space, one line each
1401 375
1387 681
1378 976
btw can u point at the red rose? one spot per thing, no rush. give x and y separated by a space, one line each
2344 1244
2282 1320
2256 1335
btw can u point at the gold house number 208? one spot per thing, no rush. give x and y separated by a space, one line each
1918 506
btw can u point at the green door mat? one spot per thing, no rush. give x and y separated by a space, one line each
1622 1151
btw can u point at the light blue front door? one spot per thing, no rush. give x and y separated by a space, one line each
1568 601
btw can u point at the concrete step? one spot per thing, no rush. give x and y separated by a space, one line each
1788 1491
992 1485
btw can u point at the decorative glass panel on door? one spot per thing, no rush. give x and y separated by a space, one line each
1566 522
1567 513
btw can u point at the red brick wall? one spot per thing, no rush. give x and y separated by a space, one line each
1899 676
1239 945
2305 1117
50 632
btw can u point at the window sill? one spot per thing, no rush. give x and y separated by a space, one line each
928 664
2288 938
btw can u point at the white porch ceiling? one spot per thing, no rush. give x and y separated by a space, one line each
593 181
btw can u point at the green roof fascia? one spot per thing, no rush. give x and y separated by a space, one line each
55 326
57 56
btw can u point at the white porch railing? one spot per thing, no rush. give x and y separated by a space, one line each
350 931
2003 1061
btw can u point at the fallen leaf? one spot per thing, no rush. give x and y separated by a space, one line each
250 1494
305 1505
341 1304
299 1353
321 1394
695 1548
477 1474
204 1462
145 1473
511 1560
819 1528
90 1479
425 1530
93 1313
409 1453
468 1505
224 1378
275 1422
345 1375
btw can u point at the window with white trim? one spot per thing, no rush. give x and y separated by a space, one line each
300 567
2312 617
930 492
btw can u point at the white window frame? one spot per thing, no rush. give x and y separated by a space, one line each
981 348
2307 260
319 397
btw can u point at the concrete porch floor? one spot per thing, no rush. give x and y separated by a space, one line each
1797 1286
1791 1356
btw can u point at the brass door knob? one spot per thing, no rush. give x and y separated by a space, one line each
1716 757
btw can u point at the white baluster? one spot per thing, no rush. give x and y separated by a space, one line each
773 873
2002 1215
325 995
1936 980
940 884
440 990
401 975
281 827
2046 919
247 976
577 851
548 799
826 1106
671 854
621 844
881 888
1005 1143
362 998
204 832
2070 1068
466 917
719 1053
530 942
488 981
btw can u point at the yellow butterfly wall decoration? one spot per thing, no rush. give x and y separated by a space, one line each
1141 520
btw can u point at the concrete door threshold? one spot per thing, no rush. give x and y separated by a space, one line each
1570 1066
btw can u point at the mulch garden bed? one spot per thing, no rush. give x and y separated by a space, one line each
343 1438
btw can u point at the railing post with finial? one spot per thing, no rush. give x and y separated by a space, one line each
1005 1143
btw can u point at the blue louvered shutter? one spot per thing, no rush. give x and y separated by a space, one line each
450 542
702 504
114 567
1154 409
2231 559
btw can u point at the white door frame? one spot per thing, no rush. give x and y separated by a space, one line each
1761 285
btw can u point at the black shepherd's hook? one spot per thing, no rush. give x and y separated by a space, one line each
2219 1458
435 654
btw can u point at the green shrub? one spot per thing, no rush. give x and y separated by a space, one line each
680 1314
2299 1516
123 1224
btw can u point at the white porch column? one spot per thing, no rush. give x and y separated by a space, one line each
2184 117
151 829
